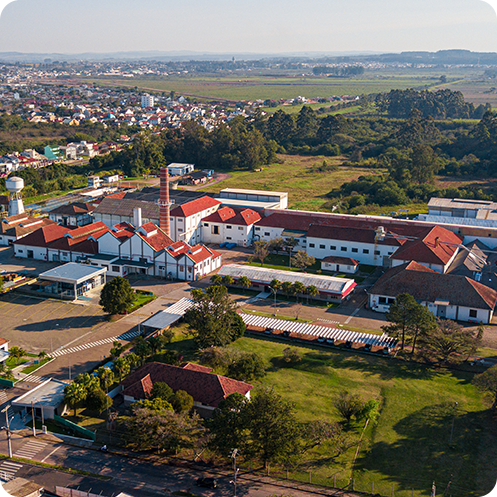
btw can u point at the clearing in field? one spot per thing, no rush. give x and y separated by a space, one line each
299 177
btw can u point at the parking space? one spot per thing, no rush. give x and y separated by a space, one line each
37 324
9 263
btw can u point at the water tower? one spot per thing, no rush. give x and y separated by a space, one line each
15 185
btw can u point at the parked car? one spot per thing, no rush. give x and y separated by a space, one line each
321 339
330 341
206 482
269 331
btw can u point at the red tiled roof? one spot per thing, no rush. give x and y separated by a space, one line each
44 235
341 260
73 209
199 253
117 195
158 240
435 245
178 248
190 365
195 206
208 389
228 215
426 285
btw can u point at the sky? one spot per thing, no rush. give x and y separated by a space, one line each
242 26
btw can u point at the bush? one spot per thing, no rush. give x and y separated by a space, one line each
291 355
97 400
181 401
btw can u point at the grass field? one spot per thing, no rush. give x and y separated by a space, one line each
264 87
410 446
306 187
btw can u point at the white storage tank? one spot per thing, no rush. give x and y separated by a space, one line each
14 184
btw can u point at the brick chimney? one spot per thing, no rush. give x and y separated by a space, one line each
164 202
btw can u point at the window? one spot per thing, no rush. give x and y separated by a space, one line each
343 249
20 251
333 247
228 238
267 234
390 253
365 251
257 229
180 230
382 300
354 250
240 228
376 252
189 269
215 230
228 227
182 268
311 245
473 313
206 224
322 247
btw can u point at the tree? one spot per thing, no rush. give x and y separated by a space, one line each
290 243
399 315
122 368
228 424
272 426
487 381
142 348
261 250
247 366
287 288
73 395
117 348
17 352
227 280
422 323
448 341
156 404
161 390
291 355
117 296
302 260
106 377
213 319
244 282
181 401
216 279
97 400
311 291
348 405
298 289
42 355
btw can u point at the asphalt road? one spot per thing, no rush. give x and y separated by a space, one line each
139 478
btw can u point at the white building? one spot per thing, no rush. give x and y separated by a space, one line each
147 101
180 169
230 225
446 296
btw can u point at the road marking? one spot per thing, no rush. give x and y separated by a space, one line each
347 321
53 452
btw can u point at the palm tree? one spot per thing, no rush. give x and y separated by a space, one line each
287 288
121 367
275 285
132 359
216 279
73 395
227 280
299 289
244 282
311 291
42 355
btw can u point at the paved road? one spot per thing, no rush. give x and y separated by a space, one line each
136 477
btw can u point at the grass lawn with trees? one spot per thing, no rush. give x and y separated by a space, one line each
298 176
410 445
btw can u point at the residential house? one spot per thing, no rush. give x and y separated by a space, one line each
206 388
14 228
76 214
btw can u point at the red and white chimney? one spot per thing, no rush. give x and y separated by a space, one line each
164 203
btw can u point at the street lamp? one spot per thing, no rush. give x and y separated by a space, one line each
234 453
274 291
7 429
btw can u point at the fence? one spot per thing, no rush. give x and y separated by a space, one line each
74 427
6 383
71 492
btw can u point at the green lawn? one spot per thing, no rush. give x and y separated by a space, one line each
297 175
409 446
34 367
13 362
142 298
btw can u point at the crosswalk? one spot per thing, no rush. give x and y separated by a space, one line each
328 321
32 378
8 470
29 450
129 335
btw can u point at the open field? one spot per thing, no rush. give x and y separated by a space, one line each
257 87
306 188
409 446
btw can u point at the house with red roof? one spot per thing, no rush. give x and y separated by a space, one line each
445 295
57 243
206 388
230 224
14 228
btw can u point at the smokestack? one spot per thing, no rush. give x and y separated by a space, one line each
137 217
164 203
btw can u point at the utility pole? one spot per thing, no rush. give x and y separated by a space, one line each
9 441
234 453
33 415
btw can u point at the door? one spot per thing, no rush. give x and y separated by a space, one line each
30 254
442 311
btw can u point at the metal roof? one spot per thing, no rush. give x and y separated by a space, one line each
168 316
319 331
266 275
48 394
458 221
72 272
